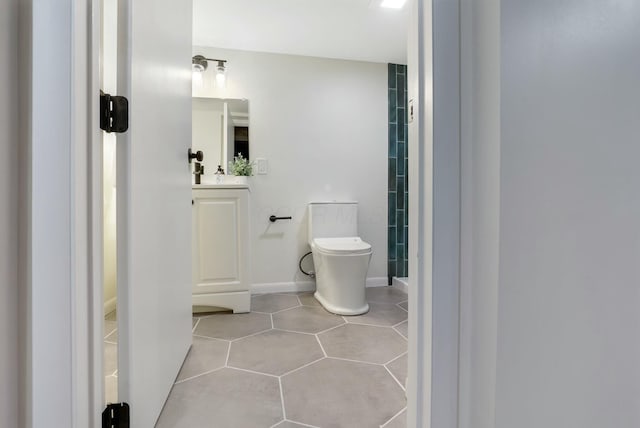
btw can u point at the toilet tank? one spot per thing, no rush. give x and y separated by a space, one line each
332 219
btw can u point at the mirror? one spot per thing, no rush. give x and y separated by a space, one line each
220 129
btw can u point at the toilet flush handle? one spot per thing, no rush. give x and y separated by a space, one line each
273 218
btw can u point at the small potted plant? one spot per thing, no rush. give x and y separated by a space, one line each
241 168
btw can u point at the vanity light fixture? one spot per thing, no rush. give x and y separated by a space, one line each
199 64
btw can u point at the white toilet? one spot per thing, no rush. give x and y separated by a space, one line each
340 257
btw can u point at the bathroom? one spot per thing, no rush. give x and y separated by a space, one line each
327 130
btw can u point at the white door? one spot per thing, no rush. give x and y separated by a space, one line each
154 202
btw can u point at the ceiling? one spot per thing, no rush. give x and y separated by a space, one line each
343 29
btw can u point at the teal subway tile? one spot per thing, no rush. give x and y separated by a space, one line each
400 91
400 160
392 140
392 75
400 134
391 268
400 261
392 174
400 115
393 105
393 233
400 223
400 195
406 236
392 208
392 247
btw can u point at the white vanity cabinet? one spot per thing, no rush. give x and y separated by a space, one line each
221 248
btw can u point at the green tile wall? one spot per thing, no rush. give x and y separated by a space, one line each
398 217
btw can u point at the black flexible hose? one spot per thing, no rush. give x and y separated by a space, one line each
300 265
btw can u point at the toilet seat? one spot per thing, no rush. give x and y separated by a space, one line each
345 246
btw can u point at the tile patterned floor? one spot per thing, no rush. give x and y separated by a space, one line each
110 334
289 363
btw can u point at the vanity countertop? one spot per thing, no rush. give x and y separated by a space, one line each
220 186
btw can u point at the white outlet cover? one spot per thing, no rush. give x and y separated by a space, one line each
263 166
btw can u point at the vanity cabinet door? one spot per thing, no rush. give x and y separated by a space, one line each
220 222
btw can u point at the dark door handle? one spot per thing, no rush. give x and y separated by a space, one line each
199 156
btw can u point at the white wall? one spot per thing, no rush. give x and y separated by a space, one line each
480 210
569 301
322 125
9 184
109 85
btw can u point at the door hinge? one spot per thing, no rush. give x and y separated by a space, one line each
116 415
114 113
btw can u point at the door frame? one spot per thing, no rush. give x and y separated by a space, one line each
63 266
77 212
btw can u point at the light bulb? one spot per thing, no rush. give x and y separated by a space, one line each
221 74
196 79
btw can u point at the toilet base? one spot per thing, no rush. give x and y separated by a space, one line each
340 310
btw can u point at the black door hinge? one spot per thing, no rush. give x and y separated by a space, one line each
116 416
114 113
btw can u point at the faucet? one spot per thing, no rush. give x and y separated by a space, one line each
198 171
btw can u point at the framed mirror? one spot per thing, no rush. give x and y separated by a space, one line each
220 129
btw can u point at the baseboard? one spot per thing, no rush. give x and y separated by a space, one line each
283 287
297 287
400 285
110 305
381 281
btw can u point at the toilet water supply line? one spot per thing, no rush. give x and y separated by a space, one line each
312 274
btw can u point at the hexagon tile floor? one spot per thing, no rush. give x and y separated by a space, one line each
289 363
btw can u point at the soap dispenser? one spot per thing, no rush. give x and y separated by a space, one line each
219 175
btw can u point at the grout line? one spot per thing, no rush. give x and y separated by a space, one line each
401 322
395 358
320 343
393 417
284 411
110 333
195 325
373 325
210 338
226 361
293 331
299 301
271 316
356 361
198 375
394 378
331 328
285 309
253 372
301 423
302 367
260 312
400 334
251 335
111 343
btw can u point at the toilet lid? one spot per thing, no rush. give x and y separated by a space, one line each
351 245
